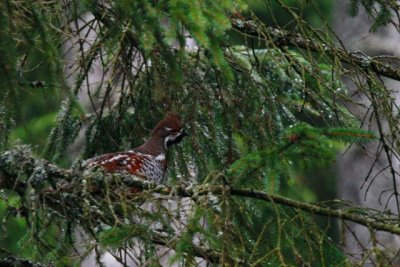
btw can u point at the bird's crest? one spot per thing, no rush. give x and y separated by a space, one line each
172 121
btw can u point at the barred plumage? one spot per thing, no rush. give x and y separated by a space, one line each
147 161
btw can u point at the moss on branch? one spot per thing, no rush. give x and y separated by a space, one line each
279 38
19 163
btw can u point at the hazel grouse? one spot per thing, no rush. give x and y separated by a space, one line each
147 161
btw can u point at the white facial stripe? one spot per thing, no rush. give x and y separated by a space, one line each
169 138
172 137
168 129
160 157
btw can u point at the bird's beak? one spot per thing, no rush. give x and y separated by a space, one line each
177 139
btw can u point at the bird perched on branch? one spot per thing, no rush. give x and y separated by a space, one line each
147 161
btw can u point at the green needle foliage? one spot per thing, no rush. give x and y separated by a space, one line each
261 104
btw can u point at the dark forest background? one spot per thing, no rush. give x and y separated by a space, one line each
272 99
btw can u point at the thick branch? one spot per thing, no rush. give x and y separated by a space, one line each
52 173
319 210
260 195
279 38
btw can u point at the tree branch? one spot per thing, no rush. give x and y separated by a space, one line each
11 173
320 210
279 38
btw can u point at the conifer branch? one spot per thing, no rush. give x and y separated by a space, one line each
319 210
9 173
280 38
304 206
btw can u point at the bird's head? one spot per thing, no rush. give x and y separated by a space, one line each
170 129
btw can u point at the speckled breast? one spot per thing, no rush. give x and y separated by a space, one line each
141 165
